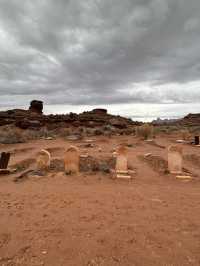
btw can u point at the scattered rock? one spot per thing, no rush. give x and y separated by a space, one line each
74 137
118 123
87 145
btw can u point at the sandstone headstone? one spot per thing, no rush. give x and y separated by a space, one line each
43 160
175 155
121 161
71 160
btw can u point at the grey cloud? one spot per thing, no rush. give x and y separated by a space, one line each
99 51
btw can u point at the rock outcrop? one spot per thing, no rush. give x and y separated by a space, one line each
36 106
100 111
97 119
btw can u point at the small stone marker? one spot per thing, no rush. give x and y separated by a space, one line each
122 163
71 160
43 160
175 155
4 160
196 140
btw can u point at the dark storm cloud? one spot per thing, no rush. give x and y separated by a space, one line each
99 51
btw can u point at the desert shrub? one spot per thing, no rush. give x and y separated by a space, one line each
63 132
11 135
170 129
195 130
57 165
93 164
31 134
108 128
162 129
98 132
89 131
145 131
185 134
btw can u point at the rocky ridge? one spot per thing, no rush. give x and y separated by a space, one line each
33 118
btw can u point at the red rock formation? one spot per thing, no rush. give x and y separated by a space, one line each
36 106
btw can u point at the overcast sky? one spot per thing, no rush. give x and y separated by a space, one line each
87 52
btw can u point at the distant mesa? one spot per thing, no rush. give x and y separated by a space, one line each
166 121
36 106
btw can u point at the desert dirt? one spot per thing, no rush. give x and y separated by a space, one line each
92 219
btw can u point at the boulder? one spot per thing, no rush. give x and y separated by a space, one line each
118 123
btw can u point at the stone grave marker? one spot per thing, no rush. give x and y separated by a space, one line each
71 160
122 163
4 160
43 160
175 158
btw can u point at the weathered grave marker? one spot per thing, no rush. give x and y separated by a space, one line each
4 160
175 157
122 162
43 160
71 160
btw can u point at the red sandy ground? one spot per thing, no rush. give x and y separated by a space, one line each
61 220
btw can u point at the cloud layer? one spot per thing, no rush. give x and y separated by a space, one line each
99 51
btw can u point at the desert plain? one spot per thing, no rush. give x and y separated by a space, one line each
92 218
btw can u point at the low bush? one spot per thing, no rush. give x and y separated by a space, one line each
145 131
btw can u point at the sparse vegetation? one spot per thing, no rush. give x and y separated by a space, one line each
185 134
11 135
145 131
